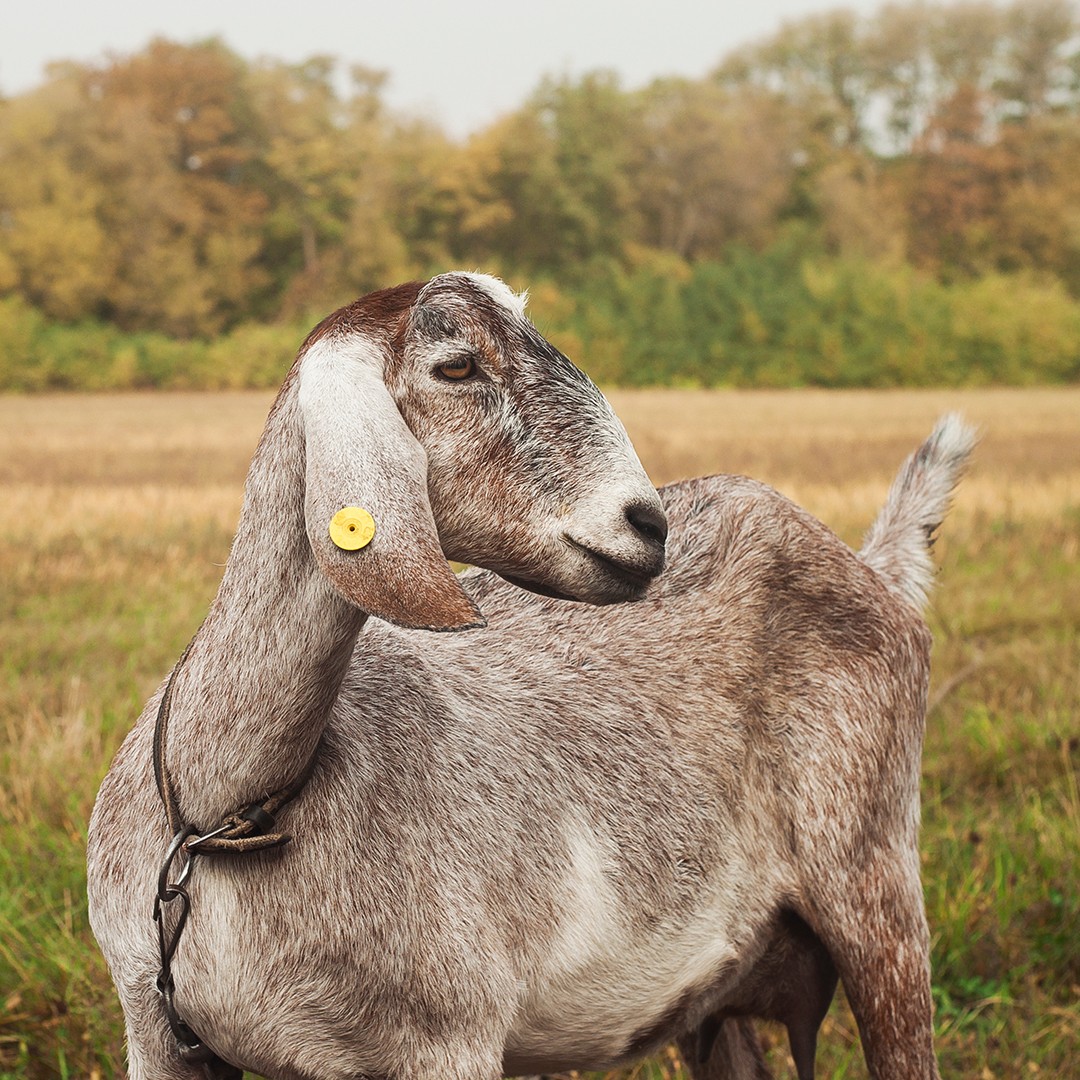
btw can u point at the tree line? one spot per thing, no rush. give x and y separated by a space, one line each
881 200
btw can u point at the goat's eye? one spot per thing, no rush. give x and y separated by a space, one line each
464 367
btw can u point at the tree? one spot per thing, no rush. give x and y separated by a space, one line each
819 63
716 166
920 55
1041 69
1039 216
302 168
859 209
549 188
55 251
172 145
957 180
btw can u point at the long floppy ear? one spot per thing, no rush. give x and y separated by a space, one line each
360 453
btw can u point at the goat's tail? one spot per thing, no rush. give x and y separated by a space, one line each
898 544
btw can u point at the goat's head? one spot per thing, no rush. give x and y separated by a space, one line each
441 410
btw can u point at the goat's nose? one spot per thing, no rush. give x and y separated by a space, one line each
649 521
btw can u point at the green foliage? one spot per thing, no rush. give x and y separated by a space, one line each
785 318
36 355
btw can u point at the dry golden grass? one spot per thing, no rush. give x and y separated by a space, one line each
836 451
116 513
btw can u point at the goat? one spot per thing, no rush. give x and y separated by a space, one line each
578 831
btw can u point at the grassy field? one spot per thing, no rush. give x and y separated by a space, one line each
115 519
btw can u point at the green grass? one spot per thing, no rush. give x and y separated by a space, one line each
115 520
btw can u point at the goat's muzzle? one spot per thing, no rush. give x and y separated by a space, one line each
617 564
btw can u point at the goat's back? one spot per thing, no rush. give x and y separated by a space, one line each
757 597
765 646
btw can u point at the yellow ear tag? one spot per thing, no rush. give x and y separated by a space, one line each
351 528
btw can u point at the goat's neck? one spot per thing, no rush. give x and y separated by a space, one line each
252 698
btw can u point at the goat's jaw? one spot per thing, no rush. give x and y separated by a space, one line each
611 551
598 592
607 551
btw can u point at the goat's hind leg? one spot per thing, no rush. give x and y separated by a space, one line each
804 991
793 983
724 1049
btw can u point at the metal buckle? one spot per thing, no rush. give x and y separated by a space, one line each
165 889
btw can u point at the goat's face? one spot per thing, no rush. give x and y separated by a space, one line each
530 473
442 411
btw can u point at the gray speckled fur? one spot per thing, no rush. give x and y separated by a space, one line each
558 840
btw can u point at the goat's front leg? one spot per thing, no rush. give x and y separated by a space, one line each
724 1050
875 930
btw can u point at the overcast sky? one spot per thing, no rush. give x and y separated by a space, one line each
460 62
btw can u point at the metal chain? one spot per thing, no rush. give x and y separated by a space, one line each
188 1045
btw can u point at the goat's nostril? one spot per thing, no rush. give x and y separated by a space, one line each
648 521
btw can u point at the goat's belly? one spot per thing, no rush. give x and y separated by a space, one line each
625 971
630 998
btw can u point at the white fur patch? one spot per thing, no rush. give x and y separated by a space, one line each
500 292
602 981
333 364
595 924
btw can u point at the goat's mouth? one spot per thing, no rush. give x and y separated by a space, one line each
620 578
626 573
597 577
